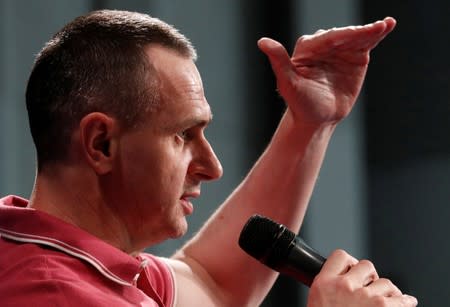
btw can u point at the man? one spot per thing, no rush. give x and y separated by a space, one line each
117 113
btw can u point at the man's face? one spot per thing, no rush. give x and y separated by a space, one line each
163 162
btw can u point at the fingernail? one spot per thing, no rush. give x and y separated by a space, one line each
411 299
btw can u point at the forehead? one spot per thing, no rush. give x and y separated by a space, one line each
180 85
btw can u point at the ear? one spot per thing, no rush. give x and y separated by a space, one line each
98 133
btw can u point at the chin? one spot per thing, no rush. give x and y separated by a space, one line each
179 229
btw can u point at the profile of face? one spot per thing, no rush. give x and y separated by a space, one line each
161 164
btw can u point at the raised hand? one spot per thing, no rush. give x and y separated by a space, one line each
322 79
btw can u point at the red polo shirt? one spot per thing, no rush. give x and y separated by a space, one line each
47 262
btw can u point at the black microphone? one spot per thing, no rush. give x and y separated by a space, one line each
280 249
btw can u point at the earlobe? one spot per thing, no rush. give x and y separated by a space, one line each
98 141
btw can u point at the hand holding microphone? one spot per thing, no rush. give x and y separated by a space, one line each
343 280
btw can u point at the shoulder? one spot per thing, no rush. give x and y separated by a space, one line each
36 274
32 261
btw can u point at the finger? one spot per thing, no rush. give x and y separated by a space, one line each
338 263
351 37
362 274
402 300
383 287
278 56
336 37
370 41
390 25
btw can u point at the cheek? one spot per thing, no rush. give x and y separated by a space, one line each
155 170
139 168
154 164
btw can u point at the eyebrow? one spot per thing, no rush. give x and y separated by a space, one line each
190 122
195 121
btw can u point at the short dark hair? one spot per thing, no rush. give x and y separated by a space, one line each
97 62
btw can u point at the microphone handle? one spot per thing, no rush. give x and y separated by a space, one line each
303 263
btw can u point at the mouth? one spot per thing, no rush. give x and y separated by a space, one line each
188 208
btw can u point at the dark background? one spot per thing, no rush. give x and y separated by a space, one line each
384 188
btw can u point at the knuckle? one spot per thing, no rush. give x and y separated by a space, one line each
343 256
302 38
388 283
340 253
344 285
380 301
368 264
370 267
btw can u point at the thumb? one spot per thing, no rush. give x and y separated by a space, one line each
278 56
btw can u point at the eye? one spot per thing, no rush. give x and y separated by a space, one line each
186 135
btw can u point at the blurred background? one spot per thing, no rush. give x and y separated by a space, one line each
383 192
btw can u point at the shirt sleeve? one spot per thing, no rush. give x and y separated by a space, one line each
161 278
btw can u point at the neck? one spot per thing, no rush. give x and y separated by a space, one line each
77 199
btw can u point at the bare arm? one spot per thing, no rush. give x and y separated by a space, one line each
279 186
320 84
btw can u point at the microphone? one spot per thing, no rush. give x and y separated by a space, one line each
280 249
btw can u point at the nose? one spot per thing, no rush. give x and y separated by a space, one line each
205 164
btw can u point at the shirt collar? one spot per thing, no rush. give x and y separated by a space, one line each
22 224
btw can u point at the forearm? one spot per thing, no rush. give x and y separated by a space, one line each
279 186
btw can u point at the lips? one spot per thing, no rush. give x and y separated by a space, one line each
188 208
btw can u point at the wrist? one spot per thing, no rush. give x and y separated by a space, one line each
298 128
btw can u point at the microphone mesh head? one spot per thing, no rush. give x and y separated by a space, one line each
265 240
